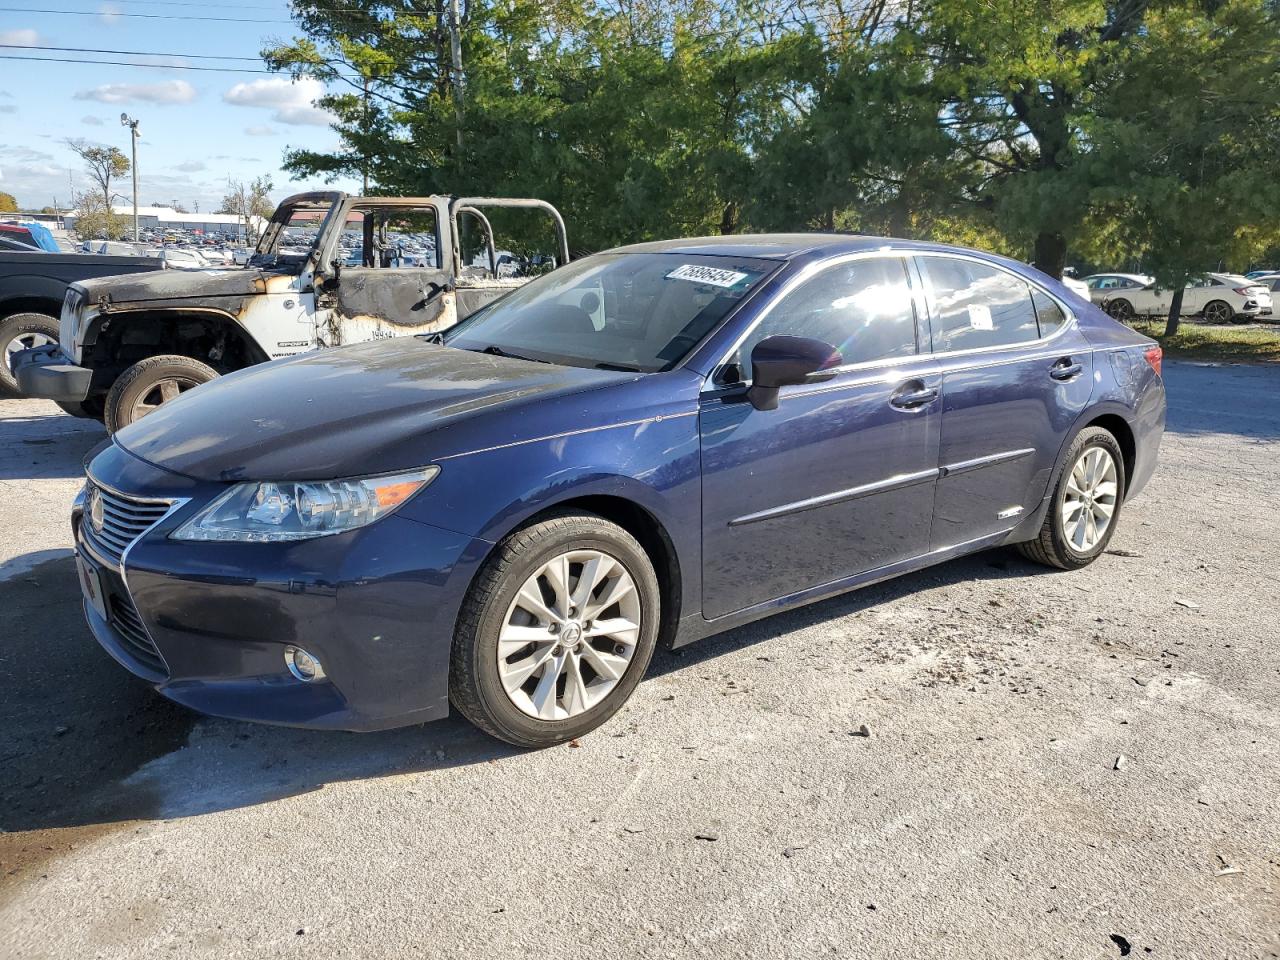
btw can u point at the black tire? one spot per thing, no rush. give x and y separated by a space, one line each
1218 311
475 687
1052 547
144 382
19 331
1120 309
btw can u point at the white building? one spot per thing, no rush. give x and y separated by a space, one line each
167 218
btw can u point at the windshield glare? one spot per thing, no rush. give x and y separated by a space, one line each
626 311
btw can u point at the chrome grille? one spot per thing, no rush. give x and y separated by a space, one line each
127 623
122 519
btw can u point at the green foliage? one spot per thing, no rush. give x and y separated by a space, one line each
1116 129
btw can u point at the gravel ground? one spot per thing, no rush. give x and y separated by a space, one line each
1067 765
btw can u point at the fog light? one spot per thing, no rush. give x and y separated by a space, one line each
303 665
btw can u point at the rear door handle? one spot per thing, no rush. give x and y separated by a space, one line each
906 399
1065 369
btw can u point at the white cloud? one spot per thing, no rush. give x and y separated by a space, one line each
291 102
167 91
260 130
109 14
20 38
191 166
90 120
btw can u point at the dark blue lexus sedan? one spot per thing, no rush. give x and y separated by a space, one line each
645 446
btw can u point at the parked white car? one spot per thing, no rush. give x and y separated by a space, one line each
178 259
1215 297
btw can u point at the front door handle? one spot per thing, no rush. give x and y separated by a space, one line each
911 397
1065 369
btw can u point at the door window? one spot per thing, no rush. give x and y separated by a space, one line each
389 238
863 308
977 306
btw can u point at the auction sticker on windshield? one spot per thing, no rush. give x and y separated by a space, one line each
715 276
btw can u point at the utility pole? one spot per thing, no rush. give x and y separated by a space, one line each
364 160
455 45
125 121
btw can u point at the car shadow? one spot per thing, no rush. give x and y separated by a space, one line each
85 745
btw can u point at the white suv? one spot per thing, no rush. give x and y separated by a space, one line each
1216 297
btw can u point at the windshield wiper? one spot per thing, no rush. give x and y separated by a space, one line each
617 366
436 337
496 351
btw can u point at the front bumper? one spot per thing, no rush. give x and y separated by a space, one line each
44 373
377 606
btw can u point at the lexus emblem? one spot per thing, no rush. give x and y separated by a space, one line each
95 509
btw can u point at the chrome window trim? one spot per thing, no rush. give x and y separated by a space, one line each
917 293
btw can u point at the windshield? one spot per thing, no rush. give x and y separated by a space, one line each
292 234
616 311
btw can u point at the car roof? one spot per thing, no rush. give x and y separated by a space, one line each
789 246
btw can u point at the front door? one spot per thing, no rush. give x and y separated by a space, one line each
839 478
1015 376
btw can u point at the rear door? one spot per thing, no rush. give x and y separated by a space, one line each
839 478
1016 372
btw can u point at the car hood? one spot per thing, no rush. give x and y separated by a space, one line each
355 411
185 285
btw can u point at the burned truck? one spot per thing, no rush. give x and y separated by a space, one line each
330 269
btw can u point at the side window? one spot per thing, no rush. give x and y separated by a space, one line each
389 238
863 308
975 305
1050 316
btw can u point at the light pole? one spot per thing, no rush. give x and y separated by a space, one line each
125 121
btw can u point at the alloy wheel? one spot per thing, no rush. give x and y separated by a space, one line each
24 341
1121 310
569 635
163 391
1090 499
1218 312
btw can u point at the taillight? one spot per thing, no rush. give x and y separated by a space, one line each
1155 357
1248 291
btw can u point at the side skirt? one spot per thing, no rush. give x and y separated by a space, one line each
695 627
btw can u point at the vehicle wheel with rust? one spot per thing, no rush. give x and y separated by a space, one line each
146 385
22 331
555 632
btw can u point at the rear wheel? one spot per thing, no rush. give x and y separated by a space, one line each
1218 311
1085 506
556 631
1121 309
22 331
148 384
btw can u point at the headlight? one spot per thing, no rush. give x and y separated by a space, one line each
268 512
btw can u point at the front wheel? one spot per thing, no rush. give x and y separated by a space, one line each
147 384
556 631
1085 506
22 331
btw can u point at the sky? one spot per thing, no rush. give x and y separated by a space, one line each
198 128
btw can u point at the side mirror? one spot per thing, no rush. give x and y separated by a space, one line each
784 361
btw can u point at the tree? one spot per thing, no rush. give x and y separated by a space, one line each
250 202
96 219
8 203
1200 178
104 164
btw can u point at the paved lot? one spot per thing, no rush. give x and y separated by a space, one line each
728 811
